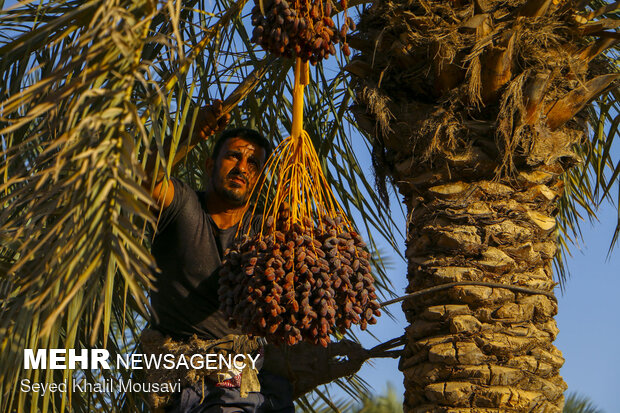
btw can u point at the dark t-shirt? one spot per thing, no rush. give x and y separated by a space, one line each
188 248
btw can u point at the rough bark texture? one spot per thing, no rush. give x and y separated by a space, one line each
474 111
472 348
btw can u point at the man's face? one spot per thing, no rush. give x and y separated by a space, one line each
236 169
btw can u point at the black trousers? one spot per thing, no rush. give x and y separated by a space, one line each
275 397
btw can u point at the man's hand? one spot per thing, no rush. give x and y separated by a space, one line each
211 120
308 366
354 353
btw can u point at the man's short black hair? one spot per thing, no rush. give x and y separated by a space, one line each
243 133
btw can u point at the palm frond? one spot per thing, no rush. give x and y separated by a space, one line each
576 403
590 183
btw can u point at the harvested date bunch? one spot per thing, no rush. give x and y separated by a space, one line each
300 28
299 282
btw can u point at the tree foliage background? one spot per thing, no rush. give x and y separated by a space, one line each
89 90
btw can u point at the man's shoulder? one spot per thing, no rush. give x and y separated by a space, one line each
187 194
185 206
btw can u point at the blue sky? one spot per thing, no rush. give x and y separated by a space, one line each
588 317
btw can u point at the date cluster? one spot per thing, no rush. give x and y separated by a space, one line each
300 282
304 29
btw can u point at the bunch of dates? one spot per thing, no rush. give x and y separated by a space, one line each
299 29
300 282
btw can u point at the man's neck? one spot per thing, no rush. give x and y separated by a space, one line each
223 214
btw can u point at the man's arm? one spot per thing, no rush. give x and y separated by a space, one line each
210 120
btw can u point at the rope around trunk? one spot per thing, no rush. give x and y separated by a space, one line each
477 283
387 349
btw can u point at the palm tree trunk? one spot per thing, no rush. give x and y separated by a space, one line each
474 111
475 347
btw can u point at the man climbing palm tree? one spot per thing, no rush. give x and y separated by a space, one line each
194 230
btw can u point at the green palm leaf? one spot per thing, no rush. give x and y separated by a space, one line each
576 403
